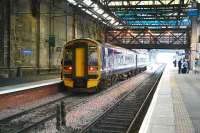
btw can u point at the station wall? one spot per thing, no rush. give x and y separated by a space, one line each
32 34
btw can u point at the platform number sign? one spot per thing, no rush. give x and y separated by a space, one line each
192 13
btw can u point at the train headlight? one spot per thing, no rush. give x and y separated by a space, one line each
68 69
92 69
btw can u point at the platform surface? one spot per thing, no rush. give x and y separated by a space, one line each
26 86
175 107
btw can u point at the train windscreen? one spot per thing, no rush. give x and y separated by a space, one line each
68 57
92 56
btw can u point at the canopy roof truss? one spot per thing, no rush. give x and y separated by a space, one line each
142 15
146 39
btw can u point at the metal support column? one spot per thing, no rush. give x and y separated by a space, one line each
38 36
74 25
194 40
2 23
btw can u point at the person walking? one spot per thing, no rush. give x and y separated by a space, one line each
179 66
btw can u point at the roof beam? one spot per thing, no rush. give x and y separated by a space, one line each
107 10
165 6
154 46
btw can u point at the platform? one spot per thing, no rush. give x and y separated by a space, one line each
175 107
6 81
26 86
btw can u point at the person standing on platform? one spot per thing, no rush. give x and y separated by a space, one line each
184 66
188 66
179 66
174 62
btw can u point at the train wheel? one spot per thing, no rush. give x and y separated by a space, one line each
103 84
61 86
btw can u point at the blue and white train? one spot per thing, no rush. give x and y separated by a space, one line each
89 65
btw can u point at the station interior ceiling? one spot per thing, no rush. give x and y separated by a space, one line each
137 23
35 31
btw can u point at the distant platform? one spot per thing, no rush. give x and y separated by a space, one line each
175 107
26 86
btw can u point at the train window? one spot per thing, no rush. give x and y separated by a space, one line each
68 57
92 56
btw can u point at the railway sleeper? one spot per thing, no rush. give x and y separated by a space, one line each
111 127
121 114
97 130
114 123
117 119
126 109
127 105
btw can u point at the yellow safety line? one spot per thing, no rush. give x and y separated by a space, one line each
183 123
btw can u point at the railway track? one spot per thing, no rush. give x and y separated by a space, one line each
37 117
27 119
127 114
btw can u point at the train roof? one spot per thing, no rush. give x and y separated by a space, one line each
98 42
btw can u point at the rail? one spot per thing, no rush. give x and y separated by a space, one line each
123 116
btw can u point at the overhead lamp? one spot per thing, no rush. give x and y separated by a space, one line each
149 31
129 31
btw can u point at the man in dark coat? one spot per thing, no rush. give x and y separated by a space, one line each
179 66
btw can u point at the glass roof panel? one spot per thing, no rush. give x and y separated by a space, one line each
105 15
95 7
72 2
87 2
100 11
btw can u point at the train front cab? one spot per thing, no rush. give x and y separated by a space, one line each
81 68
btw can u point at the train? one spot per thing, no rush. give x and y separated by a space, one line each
89 65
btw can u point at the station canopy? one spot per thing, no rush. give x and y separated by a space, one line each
139 14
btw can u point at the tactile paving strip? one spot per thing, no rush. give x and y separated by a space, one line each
182 119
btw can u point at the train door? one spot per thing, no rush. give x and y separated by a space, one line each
80 62
80 66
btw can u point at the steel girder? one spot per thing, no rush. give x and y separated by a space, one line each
160 25
146 23
150 39
141 10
